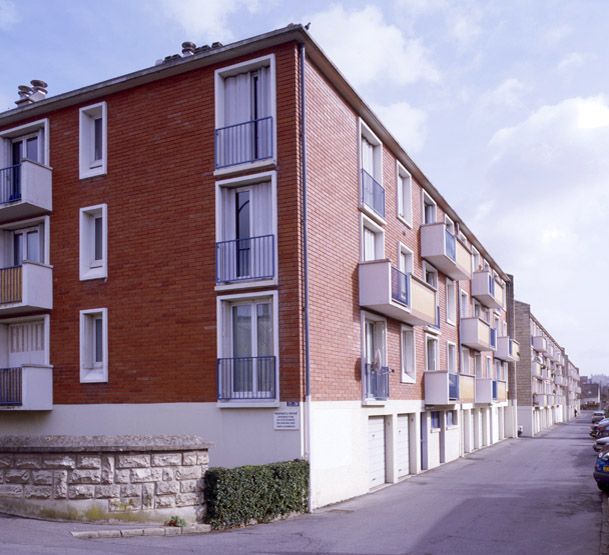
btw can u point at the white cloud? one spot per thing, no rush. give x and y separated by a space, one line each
556 34
406 123
508 94
367 49
208 19
8 14
571 61
465 27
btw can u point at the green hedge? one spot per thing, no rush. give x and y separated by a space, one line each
236 496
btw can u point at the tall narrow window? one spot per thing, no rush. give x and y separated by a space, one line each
93 242
465 364
93 140
431 353
409 372
373 240
404 187
94 345
464 304
451 355
372 191
451 301
429 210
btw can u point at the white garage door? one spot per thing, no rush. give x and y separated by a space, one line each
401 448
376 450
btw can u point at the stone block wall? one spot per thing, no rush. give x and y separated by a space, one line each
102 478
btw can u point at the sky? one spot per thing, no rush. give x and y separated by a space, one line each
504 105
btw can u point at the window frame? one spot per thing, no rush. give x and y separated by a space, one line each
89 268
90 371
434 338
464 307
371 225
407 217
454 417
432 427
426 199
41 127
406 376
451 311
88 166
451 345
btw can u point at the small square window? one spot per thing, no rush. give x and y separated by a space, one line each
94 242
94 345
93 140
452 418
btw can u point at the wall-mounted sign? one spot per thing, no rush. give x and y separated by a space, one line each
285 420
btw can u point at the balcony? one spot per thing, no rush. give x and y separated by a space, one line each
376 383
478 335
540 343
508 349
25 191
247 379
26 288
445 251
244 143
386 290
540 399
26 388
486 290
247 259
373 194
559 380
447 388
490 391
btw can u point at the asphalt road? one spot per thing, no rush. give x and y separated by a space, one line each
526 496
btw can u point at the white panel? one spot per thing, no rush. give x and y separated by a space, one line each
402 446
376 450
26 343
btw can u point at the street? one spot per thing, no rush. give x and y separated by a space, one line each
526 496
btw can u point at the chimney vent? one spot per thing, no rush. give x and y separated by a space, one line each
188 48
216 44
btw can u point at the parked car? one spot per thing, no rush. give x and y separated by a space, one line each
601 470
601 444
597 416
599 427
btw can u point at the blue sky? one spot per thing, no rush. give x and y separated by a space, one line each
503 104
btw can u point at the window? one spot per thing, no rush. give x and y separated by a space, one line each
435 420
452 418
409 371
464 304
94 345
429 209
451 356
476 267
94 242
450 225
245 110
431 354
451 301
371 153
373 240
26 142
498 370
405 259
93 140
477 309
404 189
488 368
431 275
478 365
465 366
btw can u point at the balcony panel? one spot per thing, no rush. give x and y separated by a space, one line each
26 388
373 194
501 391
540 399
244 143
484 391
388 291
25 191
247 379
376 383
445 251
508 349
540 344
476 334
446 388
486 290
248 259
26 288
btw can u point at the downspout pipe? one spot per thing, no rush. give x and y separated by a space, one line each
307 342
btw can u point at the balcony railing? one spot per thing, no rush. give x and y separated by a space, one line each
245 259
373 194
10 184
247 378
453 387
400 287
10 387
376 383
245 142
11 285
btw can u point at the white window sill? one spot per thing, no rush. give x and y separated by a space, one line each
453 427
435 430
407 379
98 272
373 403
405 222
372 214
92 172
246 284
247 404
93 375
432 329
270 162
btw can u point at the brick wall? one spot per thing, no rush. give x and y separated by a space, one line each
522 329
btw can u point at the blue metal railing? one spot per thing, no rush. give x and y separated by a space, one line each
453 387
245 259
373 194
400 287
494 390
493 338
451 245
244 142
10 387
376 383
247 378
10 184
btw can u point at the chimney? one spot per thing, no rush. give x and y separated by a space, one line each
188 49
24 92
216 44
28 95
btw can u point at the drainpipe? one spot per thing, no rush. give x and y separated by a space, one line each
303 161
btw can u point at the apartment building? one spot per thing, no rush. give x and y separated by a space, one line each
230 243
546 380
574 397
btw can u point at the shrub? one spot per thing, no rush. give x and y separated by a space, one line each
236 496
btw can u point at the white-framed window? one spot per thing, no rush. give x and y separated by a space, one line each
450 225
498 370
245 112
248 347
404 192
430 274
93 143
451 301
405 259
478 365
408 355
373 240
451 357
25 142
465 364
429 209
93 242
488 367
431 354
464 304
25 241
374 339
94 345
435 420
452 418
475 260
477 309
371 153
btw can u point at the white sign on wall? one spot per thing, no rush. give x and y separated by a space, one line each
285 420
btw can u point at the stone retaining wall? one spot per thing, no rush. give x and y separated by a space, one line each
103 478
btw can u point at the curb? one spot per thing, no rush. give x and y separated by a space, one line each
134 532
604 527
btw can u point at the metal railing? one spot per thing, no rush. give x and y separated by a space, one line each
400 287
10 184
453 387
247 378
245 259
451 245
493 337
10 387
376 383
244 142
373 194
10 285
495 385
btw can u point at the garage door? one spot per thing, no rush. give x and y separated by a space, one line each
401 448
376 450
